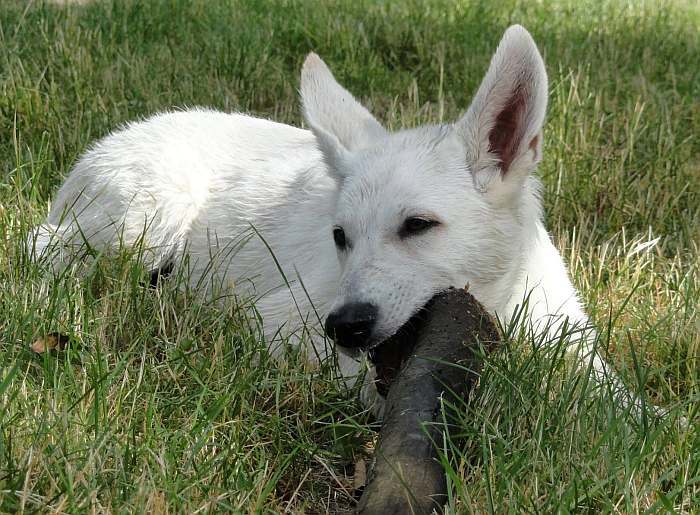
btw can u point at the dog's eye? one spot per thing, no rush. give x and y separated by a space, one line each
339 237
416 225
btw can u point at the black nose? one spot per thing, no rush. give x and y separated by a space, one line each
352 324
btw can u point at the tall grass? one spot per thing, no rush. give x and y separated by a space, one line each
163 403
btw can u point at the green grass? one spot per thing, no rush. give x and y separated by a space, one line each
162 403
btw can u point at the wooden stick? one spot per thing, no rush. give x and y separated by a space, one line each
407 476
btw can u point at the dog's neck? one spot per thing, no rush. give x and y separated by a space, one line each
535 289
544 298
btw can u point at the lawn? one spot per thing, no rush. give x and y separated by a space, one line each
165 403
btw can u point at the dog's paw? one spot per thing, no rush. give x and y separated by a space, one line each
370 397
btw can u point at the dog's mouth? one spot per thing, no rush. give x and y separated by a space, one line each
390 355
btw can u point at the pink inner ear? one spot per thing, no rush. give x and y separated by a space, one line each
506 135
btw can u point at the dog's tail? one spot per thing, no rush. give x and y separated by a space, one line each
55 246
44 245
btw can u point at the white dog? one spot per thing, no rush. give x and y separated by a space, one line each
347 220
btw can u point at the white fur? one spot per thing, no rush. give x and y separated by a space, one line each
214 190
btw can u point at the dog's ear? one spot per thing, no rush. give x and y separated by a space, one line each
501 130
339 122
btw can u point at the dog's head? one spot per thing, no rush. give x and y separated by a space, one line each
424 209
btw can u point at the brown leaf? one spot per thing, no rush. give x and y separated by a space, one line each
360 478
52 341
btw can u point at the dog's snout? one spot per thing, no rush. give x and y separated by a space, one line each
351 325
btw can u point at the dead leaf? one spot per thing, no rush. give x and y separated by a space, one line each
52 341
360 478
